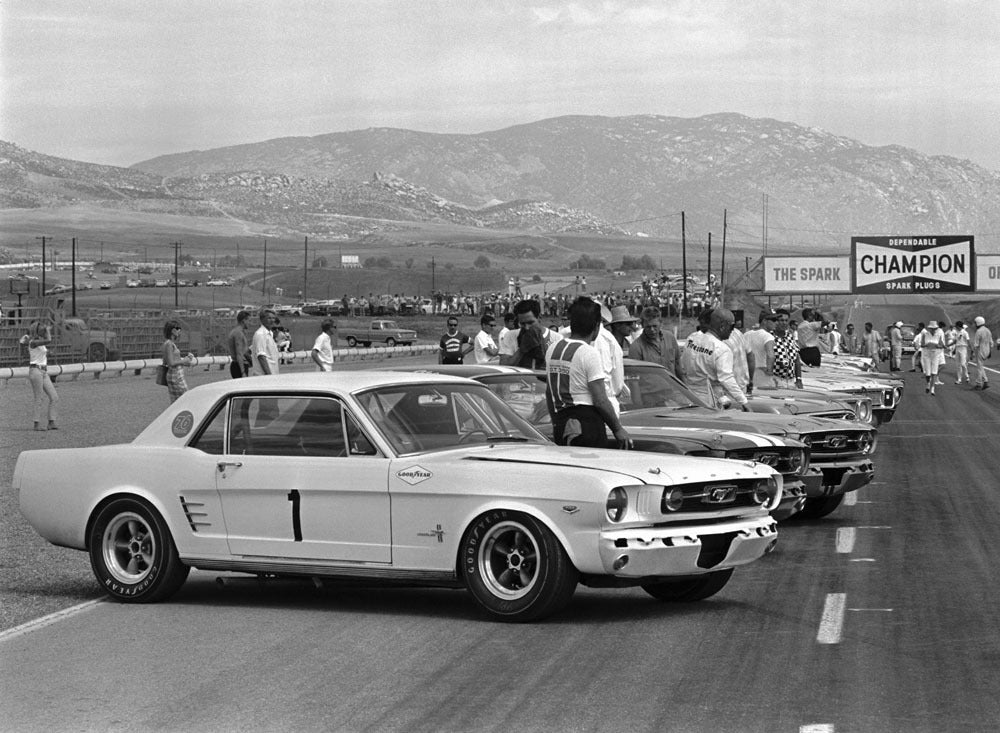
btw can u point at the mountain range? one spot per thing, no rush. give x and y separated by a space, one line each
599 175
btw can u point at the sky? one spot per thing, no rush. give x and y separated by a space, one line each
121 81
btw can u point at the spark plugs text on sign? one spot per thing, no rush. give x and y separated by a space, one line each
919 264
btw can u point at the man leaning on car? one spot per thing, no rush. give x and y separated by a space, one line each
575 393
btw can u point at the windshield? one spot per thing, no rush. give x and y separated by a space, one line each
654 386
423 417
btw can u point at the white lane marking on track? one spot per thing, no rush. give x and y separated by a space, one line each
874 526
831 624
44 621
862 559
817 728
845 539
851 499
882 610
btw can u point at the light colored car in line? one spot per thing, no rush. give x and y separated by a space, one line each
407 478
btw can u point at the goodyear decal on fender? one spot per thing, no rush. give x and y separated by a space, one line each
414 475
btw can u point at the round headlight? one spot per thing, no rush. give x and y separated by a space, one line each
673 499
761 495
864 411
807 439
617 504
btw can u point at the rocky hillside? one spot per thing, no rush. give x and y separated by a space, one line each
639 171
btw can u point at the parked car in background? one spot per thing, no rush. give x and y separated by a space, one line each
379 332
407 478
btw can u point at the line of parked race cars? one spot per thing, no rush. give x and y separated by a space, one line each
446 476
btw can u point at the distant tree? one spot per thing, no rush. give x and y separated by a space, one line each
383 262
370 262
319 262
482 262
586 262
409 263
638 263
449 265
536 278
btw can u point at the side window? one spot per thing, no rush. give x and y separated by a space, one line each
358 443
287 426
211 439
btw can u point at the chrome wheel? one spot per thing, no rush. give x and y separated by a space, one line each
508 560
129 548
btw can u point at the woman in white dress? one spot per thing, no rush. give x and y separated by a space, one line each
932 345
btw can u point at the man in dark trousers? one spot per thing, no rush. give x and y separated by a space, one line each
575 392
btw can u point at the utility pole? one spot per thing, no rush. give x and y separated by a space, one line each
708 277
684 267
43 263
177 254
305 273
432 276
722 268
263 284
72 278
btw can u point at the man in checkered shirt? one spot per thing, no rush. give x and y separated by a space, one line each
787 365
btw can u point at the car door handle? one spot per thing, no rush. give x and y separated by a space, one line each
222 465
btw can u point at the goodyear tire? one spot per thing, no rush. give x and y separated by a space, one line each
515 567
132 553
351 341
687 591
820 506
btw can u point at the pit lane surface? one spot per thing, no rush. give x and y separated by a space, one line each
881 617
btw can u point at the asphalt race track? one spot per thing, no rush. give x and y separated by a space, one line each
881 617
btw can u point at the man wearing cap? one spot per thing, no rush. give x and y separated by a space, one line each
896 347
612 359
621 325
932 345
982 346
655 345
960 343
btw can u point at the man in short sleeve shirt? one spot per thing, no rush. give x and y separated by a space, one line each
454 344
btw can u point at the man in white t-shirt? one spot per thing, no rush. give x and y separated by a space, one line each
575 394
483 346
263 349
613 360
760 341
322 350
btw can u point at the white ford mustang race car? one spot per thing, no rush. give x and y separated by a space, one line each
413 478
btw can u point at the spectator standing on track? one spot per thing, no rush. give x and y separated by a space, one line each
836 339
284 341
871 344
655 345
851 343
173 361
896 347
787 365
239 347
263 349
960 343
454 344
322 350
575 394
37 339
808 336
708 362
932 346
982 347
484 347
761 343
915 362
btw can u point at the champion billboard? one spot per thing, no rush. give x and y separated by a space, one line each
917 264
